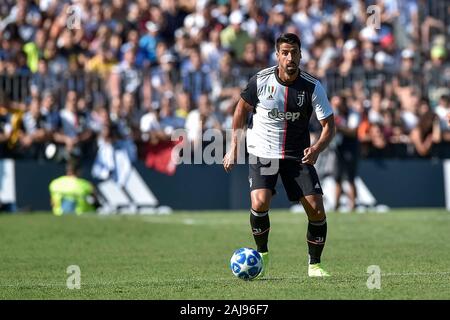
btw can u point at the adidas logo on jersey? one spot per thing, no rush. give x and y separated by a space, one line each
275 114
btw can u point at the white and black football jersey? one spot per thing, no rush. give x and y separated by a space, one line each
279 125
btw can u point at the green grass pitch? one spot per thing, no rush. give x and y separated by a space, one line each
186 256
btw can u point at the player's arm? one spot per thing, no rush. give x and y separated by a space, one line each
326 118
237 137
249 98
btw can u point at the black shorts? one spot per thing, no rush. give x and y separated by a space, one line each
346 166
298 179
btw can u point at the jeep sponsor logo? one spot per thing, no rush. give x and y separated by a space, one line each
275 114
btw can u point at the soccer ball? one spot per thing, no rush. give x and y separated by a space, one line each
246 263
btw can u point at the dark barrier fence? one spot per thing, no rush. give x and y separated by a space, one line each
395 183
95 89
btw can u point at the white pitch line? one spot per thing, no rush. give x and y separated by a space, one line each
408 274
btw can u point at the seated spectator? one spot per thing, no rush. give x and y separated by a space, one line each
410 100
226 84
34 134
157 127
426 134
200 120
378 141
152 131
70 194
183 100
169 120
248 64
5 126
102 62
375 112
443 112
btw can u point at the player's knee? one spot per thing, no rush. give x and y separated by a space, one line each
260 205
316 214
261 200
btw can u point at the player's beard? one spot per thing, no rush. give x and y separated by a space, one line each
291 69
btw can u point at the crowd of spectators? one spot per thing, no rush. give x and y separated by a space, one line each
75 72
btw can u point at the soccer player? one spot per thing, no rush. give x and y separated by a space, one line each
280 101
72 194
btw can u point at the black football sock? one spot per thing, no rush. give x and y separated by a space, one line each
260 224
316 236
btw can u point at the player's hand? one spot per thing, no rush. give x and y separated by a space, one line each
229 160
310 156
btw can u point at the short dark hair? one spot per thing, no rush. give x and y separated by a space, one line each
446 98
73 166
290 38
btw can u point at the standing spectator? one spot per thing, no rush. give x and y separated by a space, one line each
162 78
75 127
212 50
346 148
196 79
125 77
437 70
43 80
351 57
277 21
35 50
147 43
57 63
174 16
51 121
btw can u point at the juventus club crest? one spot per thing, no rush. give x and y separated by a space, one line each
300 98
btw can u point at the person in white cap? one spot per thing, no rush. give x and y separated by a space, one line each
234 37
